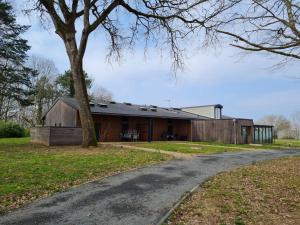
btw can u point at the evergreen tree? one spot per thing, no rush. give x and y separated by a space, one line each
15 77
65 84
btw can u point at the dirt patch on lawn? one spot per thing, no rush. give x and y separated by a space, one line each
265 193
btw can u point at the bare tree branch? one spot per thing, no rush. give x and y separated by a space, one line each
164 24
265 25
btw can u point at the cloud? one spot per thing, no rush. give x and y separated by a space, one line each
246 86
274 102
210 67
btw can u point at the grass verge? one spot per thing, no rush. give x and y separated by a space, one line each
187 147
265 193
287 143
241 146
214 147
31 171
278 144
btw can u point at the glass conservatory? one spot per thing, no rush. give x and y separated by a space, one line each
263 134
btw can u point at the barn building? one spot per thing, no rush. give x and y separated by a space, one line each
130 122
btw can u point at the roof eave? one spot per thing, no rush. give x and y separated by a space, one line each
147 116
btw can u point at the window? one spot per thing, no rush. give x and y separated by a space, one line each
263 134
256 135
170 130
125 127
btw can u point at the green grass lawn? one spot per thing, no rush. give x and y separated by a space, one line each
287 143
213 147
187 147
31 171
278 144
264 193
14 142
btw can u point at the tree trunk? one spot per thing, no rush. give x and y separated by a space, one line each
87 123
86 119
72 89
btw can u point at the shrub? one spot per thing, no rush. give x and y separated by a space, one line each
26 132
12 129
239 222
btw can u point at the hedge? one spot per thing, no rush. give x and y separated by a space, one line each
12 129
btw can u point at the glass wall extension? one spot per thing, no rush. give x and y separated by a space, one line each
263 134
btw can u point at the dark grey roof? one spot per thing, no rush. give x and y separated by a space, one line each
227 117
201 106
232 118
70 101
125 109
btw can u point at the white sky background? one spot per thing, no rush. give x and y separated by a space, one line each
246 86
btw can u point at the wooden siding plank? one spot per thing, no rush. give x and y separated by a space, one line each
221 130
61 114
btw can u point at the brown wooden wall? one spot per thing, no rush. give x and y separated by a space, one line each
111 127
249 124
183 128
225 131
65 136
160 127
61 114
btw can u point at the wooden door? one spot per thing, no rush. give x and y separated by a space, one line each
245 132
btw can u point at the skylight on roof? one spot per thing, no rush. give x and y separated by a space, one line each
178 109
143 108
102 105
127 103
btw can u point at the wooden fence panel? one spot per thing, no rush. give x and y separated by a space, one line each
40 135
225 131
65 136
52 136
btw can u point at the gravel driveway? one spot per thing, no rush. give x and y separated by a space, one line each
140 197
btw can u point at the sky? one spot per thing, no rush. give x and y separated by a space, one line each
247 86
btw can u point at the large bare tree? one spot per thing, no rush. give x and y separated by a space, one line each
296 124
101 94
271 26
281 124
166 23
45 92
